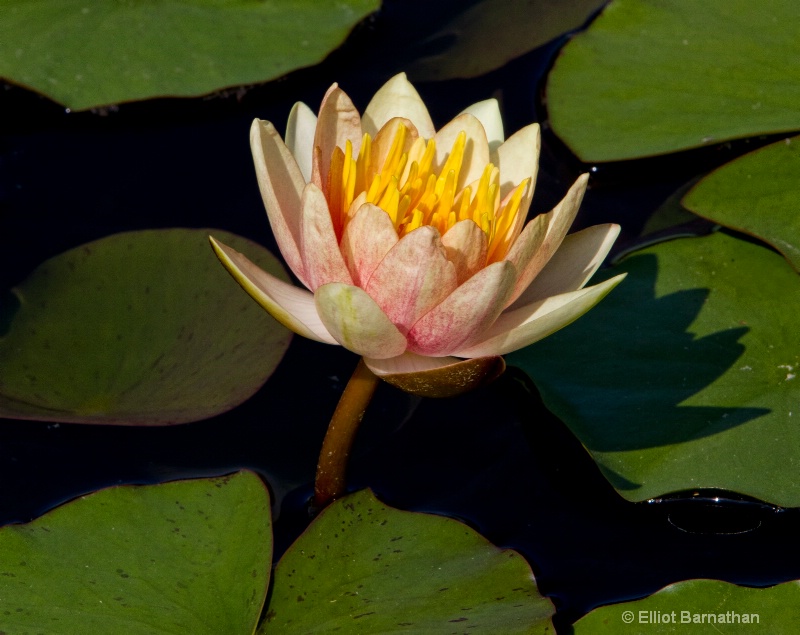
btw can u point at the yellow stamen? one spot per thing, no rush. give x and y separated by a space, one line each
410 190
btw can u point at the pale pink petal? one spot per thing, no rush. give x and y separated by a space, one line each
436 376
383 140
281 184
529 262
397 98
465 245
572 265
465 314
300 130
518 159
322 260
338 122
413 277
367 238
528 324
291 306
488 113
476 151
357 322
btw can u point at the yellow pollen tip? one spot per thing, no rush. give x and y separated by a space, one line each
413 193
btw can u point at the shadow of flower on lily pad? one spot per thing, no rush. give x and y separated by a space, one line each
676 381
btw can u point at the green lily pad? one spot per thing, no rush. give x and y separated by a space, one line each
687 377
362 567
758 194
490 33
139 328
184 557
702 607
85 53
650 78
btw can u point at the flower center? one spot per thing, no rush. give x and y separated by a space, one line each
413 193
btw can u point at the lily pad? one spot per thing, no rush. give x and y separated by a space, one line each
85 53
687 377
139 328
650 78
758 194
470 43
362 567
704 607
183 557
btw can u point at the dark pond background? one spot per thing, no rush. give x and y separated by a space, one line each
494 458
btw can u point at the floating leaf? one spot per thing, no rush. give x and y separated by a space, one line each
650 78
758 194
140 328
184 557
362 567
703 607
474 47
86 53
687 376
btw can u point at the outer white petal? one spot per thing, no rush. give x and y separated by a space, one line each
397 98
572 265
518 328
488 113
281 184
518 159
291 306
300 129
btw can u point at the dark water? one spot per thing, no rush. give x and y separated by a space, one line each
494 458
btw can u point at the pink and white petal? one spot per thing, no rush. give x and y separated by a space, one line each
413 277
476 151
488 113
436 376
357 322
291 306
322 259
367 239
572 265
518 159
338 122
300 130
281 184
558 220
465 245
397 98
465 314
528 324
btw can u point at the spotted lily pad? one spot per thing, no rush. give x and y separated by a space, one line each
362 567
140 328
758 194
85 53
702 607
688 376
184 557
649 78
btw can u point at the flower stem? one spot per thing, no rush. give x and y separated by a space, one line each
332 466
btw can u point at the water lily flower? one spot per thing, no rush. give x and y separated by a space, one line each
411 242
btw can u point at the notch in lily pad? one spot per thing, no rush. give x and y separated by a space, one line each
139 328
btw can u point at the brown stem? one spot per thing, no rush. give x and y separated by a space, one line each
332 466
